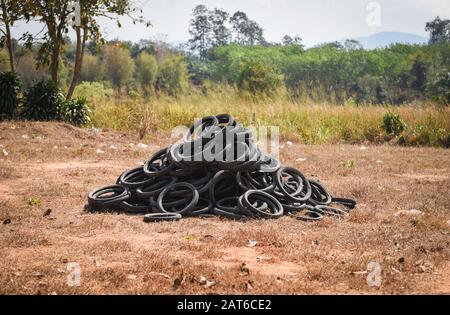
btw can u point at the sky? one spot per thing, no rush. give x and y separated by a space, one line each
316 21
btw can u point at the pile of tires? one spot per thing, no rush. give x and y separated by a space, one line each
217 169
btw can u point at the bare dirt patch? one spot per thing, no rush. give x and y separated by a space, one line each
55 166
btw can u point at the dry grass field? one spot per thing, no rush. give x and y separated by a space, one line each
54 166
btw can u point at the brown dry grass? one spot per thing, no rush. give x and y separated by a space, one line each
58 165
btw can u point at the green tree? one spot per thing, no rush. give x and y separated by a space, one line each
172 76
289 41
27 70
10 13
53 14
118 65
439 31
352 44
88 27
220 32
239 22
200 30
92 68
418 73
247 32
62 15
440 88
254 34
146 71
260 78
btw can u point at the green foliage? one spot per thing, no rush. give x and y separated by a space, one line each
10 86
439 88
173 77
34 201
94 91
308 124
426 135
260 78
76 112
92 69
209 29
334 73
26 68
147 70
200 28
419 73
439 30
4 61
381 94
393 124
246 31
348 164
118 65
132 90
43 101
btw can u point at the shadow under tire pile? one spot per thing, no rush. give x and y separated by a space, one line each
217 169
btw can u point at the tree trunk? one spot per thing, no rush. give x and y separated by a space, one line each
81 44
54 61
8 36
56 37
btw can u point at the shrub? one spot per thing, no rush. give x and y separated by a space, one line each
43 101
34 201
258 77
132 90
146 71
76 112
26 68
118 65
93 91
173 77
439 88
393 124
10 86
426 136
92 69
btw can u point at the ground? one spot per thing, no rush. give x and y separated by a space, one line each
54 166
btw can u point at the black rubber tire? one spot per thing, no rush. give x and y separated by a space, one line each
188 208
318 189
347 202
133 208
272 202
149 172
134 178
307 215
144 194
331 211
98 203
300 190
202 123
228 214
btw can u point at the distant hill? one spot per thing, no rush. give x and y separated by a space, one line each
383 39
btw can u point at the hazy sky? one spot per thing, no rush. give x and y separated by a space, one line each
315 20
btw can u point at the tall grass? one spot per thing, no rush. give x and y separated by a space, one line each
307 122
